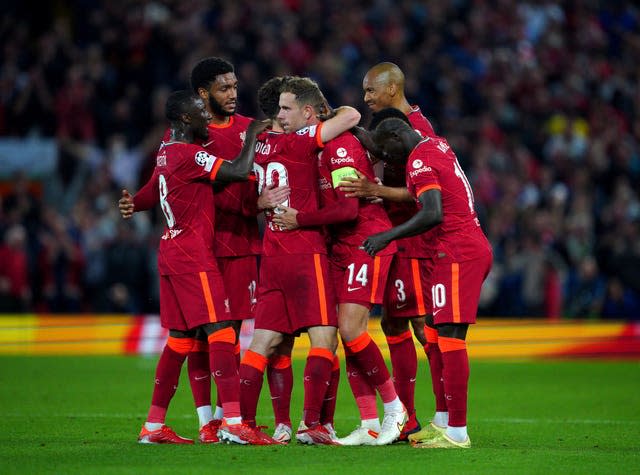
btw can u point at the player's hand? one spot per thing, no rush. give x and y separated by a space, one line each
375 243
359 187
286 218
125 205
272 196
257 126
326 112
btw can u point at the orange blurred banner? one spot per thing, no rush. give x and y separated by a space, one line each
142 334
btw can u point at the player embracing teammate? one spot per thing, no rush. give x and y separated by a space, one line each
298 282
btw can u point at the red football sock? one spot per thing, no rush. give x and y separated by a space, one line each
166 381
435 366
329 404
222 362
280 378
251 375
371 362
404 362
317 377
363 392
455 373
199 375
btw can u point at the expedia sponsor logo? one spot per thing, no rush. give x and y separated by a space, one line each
417 172
341 152
340 161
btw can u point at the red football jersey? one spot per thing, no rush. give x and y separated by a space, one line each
420 123
340 155
291 159
236 228
414 246
432 164
183 176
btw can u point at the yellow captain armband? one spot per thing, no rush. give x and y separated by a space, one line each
338 175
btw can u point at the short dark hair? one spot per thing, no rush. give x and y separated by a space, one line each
269 96
387 113
177 104
206 71
389 127
306 90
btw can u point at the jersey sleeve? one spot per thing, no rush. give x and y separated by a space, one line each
306 140
339 156
148 196
200 165
421 175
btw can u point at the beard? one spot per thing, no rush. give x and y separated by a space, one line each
218 110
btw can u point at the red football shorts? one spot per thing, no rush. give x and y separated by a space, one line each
190 300
240 276
361 278
455 289
408 293
295 293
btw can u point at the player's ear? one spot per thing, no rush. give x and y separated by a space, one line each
392 89
203 93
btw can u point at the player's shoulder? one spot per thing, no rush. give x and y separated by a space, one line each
420 122
345 139
242 120
433 148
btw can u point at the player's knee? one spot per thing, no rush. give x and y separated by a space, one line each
394 326
182 333
453 330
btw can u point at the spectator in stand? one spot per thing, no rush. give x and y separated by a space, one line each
15 293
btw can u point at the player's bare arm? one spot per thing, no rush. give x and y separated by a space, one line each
426 218
344 119
238 169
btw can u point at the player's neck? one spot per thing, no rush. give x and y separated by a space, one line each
219 119
403 105
178 135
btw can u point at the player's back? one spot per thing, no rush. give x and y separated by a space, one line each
434 163
400 212
186 198
291 160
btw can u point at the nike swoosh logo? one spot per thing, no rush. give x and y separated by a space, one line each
436 312
200 378
204 145
398 306
349 289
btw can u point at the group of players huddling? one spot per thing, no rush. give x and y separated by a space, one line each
336 241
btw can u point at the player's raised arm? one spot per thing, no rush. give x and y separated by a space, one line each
344 119
239 169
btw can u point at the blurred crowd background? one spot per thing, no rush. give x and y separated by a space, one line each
539 99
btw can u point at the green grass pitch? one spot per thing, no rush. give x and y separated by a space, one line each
83 414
